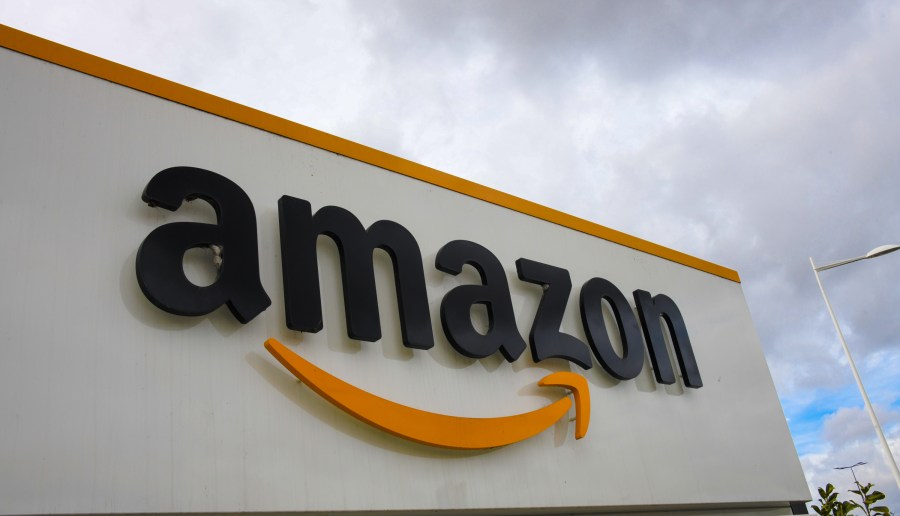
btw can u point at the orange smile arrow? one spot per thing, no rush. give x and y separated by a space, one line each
440 429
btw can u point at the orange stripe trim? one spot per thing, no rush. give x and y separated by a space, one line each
66 57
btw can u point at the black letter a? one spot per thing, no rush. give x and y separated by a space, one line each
160 273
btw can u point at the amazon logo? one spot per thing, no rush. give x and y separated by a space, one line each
161 277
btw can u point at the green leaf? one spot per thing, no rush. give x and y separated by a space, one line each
874 497
849 505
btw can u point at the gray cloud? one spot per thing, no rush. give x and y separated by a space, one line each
638 41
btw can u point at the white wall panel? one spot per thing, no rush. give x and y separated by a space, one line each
112 405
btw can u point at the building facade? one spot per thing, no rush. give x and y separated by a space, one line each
156 238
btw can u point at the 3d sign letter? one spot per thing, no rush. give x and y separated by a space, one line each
650 310
502 333
546 339
593 293
302 297
160 273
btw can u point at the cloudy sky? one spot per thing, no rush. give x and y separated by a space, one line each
750 134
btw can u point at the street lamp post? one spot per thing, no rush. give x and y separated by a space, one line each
878 251
855 481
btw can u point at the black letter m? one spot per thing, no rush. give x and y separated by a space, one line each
302 296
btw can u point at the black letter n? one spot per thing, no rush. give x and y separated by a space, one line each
651 309
159 268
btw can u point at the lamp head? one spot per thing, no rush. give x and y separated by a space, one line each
880 250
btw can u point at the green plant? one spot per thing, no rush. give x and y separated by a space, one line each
869 497
831 505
